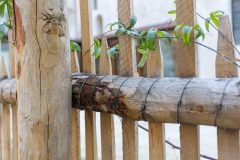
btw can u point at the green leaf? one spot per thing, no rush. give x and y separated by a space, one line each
176 29
97 53
143 59
215 21
117 47
151 38
207 24
172 12
9 10
117 23
133 32
74 46
120 31
142 51
133 21
2 9
199 31
2 30
97 44
186 31
114 51
141 41
165 34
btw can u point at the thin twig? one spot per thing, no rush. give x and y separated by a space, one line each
220 33
176 147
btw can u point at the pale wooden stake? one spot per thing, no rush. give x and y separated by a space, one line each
6 130
156 130
76 152
107 121
88 66
187 67
228 139
128 67
43 79
14 106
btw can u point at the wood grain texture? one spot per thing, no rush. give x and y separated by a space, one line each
107 121
156 130
128 67
198 103
228 139
76 152
88 66
6 128
87 37
187 67
43 57
14 106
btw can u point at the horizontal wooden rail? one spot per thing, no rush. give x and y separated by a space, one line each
200 100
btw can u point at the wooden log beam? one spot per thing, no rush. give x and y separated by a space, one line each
199 103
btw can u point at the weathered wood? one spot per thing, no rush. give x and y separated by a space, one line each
107 121
156 130
14 106
228 139
43 72
8 91
199 103
6 129
187 67
128 67
88 66
76 152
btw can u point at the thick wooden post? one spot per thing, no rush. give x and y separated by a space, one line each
156 130
43 79
107 121
89 67
128 67
228 139
187 67
76 151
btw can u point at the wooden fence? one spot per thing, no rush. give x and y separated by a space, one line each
228 139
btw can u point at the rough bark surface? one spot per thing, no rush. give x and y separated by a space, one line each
199 103
43 75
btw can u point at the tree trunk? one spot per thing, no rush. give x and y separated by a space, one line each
199 103
43 79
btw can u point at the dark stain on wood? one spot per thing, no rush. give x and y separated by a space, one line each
19 30
18 70
103 97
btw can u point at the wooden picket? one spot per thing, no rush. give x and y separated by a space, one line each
187 67
88 67
128 67
228 139
156 130
107 121
76 152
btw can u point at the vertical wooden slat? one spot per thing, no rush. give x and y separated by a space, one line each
14 106
228 139
107 121
128 68
88 67
156 130
6 132
76 154
187 67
